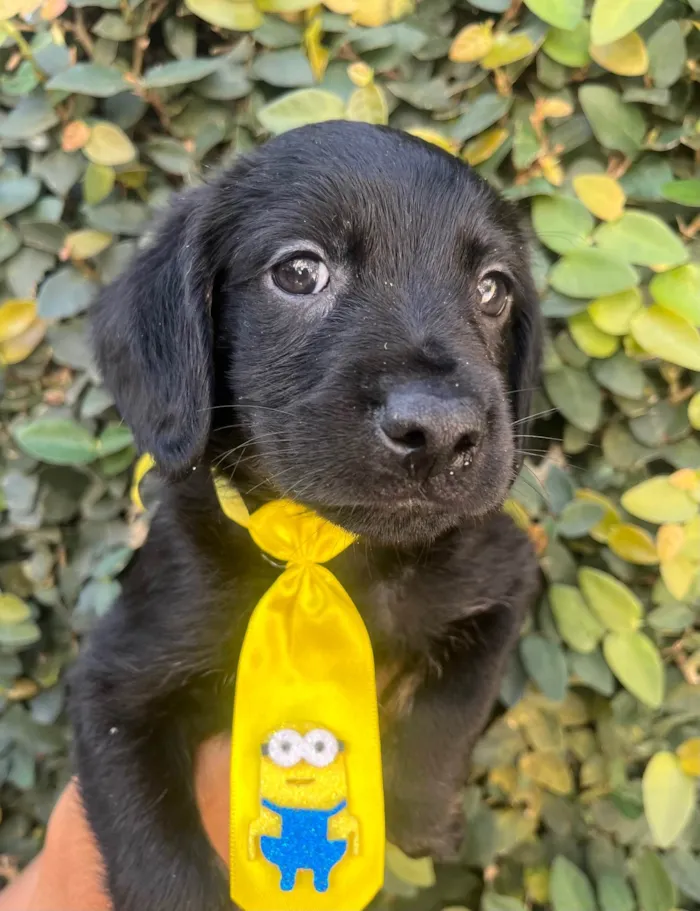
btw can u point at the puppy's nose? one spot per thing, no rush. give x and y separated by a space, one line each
429 431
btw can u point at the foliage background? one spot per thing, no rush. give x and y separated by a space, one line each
583 793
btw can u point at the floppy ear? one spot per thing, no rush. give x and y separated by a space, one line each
152 331
525 367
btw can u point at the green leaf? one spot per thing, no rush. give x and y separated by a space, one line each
17 193
482 113
578 517
296 109
611 19
667 335
417 872
685 192
593 672
569 888
667 55
17 636
65 293
592 273
561 223
621 375
576 396
180 72
90 79
643 239
58 441
636 662
565 14
617 608
669 798
569 47
679 290
684 870
658 501
288 68
614 894
114 438
577 626
654 888
545 664
616 125
33 115
98 182
491 901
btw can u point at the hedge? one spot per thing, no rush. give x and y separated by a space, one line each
582 794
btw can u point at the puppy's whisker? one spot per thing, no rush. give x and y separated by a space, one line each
532 417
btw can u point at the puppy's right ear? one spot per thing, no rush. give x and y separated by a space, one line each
152 331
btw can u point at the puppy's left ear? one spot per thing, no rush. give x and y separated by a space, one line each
524 370
152 331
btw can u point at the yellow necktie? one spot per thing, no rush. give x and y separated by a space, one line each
307 805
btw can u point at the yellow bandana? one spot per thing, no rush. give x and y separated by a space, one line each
307 803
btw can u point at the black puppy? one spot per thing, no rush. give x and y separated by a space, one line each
346 317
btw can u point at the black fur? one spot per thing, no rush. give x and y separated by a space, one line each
211 365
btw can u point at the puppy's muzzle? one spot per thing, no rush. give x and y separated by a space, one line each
429 430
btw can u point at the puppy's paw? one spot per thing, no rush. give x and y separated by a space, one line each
426 829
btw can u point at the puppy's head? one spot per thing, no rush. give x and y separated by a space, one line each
347 318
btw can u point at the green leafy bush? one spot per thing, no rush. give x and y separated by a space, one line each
583 790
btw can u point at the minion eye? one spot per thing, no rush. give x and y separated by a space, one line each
286 748
320 748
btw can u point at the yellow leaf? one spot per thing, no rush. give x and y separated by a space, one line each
507 48
17 349
368 105
536 880
669 798
342 7
10 8
658 501
401 8
549 770
590 339
448 145
472 42
360 74
678 575
232 502
633 544
141 469
484 146
601 195
667 335
601 531
517 514
694 411
315 51
689 755
80 245
16 316
554 107
552 170
13 609
669 541
372 13
685 479
613 312
416 871
109 145
625 57
237 15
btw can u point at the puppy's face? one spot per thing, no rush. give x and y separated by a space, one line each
358 308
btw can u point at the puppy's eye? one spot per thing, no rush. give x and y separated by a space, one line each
494 294
301 275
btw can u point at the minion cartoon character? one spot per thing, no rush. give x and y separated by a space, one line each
304 822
